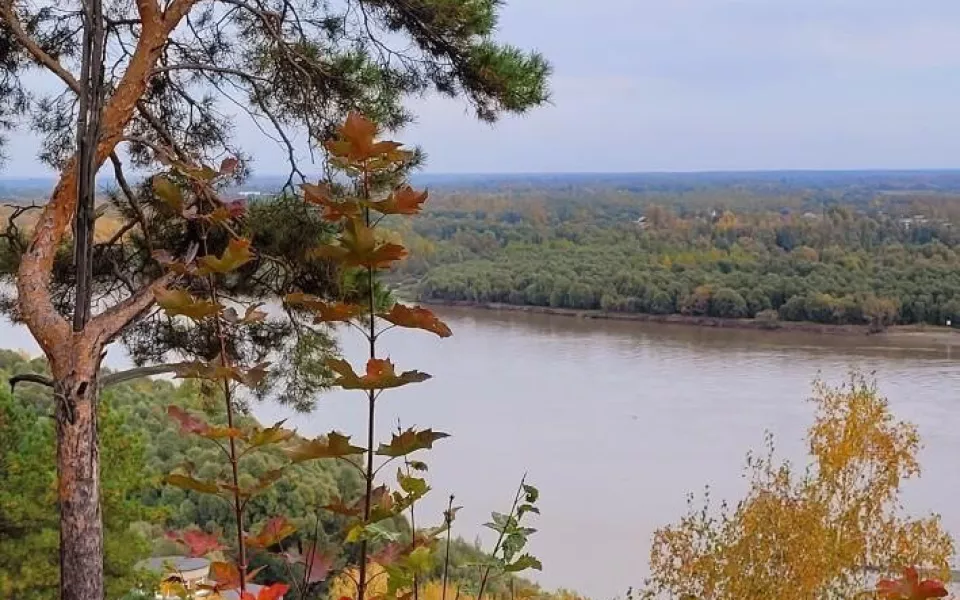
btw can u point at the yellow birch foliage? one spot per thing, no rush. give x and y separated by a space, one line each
813 534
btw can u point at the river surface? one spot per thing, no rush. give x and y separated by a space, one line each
616 422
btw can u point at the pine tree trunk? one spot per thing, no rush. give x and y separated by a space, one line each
78 460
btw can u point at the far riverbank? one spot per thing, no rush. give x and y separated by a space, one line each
945 335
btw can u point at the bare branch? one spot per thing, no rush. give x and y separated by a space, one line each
139 372
30 378
210 68
131 198
12 232
119 234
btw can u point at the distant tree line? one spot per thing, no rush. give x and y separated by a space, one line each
889 261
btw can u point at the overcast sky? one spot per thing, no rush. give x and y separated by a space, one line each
702 85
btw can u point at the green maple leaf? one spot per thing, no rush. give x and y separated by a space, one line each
402 444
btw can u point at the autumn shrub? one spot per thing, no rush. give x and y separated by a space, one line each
822 532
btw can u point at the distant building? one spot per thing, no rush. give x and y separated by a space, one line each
914 221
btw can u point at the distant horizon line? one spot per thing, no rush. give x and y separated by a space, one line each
5 177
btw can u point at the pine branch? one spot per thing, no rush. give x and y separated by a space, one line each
140 372
30 378
31 45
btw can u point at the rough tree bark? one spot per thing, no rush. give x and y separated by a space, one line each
78 461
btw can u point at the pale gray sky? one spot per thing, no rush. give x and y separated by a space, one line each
645 85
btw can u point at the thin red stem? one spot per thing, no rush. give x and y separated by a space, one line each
238 506
371 406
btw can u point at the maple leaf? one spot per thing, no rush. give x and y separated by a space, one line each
416 318
204 173
402 201
272 592
324 312
225 574
227 211
270 435
358 130
168 191
316 192
910 587
340 508
220 215
191 424
188 422
216 371
358 248
333 210
336 445
181 302
219 433
198 543
402 444
167 261
252 314
229 165
317 564
380 375
236 255
253 376
272 533
355 142
187 482
237 208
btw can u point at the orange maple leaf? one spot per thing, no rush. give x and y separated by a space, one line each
271 533
333 210
324 312
355 142
402 201
380 375
417 318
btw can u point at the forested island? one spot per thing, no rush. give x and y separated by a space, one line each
843 249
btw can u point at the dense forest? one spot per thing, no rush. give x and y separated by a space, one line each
835 255
140 444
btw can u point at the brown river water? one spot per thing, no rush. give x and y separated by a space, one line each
616 422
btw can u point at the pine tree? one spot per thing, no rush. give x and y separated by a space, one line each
149 81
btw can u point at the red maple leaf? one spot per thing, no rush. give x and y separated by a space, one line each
910 587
